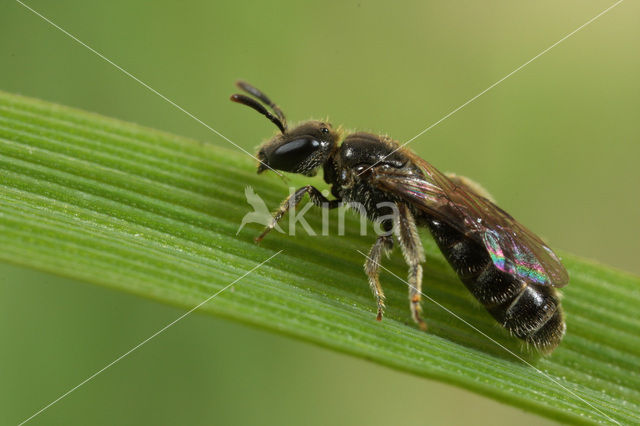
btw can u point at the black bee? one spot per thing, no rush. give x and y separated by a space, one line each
505 266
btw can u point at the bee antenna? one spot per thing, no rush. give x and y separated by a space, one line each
252 103
243 85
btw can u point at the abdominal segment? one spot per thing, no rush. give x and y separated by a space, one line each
528 311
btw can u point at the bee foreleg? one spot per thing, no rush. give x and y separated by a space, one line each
292 201
383 244
407 233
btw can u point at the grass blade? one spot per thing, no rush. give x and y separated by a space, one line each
146 212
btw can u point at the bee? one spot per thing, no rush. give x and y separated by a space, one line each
506 267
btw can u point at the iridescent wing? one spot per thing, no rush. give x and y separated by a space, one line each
513 248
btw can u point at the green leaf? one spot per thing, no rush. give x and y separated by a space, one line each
156 215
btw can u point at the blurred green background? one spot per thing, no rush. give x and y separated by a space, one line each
557 144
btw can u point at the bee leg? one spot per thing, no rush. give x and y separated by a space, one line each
292 201
470 185
407 233
384 244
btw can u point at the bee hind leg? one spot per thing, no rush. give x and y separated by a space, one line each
407 233
383 245
470 185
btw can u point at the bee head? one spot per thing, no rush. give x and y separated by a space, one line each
299 150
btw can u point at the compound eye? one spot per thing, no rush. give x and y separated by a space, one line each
288 156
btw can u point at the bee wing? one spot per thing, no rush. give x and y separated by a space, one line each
513 248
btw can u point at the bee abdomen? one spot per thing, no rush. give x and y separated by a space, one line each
533 315
530 312
474 267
